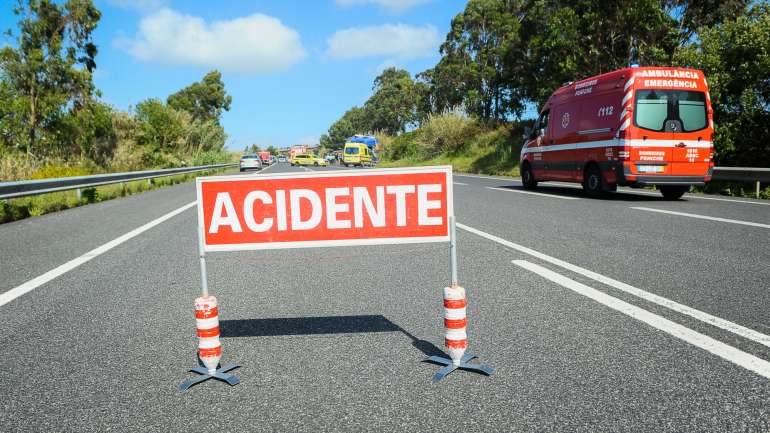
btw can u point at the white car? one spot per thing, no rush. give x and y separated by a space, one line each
250 162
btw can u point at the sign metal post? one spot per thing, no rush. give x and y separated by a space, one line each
449 364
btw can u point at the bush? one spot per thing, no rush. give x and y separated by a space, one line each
448 133
55 171
405 146
211 157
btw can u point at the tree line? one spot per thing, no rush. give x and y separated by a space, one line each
50 107
501 60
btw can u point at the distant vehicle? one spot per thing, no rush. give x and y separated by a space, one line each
282 159
330 158
272 160
635 126
308 159
250 162
264 156
356 154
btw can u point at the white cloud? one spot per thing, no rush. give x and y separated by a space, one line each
394 6
398 41
255 44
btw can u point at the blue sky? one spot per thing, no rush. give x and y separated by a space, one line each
292 66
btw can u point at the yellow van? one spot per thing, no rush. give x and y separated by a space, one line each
356 154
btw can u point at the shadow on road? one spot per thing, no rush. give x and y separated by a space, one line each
320 325
577 192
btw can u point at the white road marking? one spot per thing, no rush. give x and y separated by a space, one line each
533 193
36 282
700 197
515 179
460 183
704 217
722 350
74 263
626 190
718 322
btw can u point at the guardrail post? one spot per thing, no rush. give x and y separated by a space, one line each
149 181
757 189
80 194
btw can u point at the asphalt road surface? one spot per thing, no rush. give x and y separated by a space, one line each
609 314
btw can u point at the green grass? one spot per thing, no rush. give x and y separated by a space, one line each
481 149
25 207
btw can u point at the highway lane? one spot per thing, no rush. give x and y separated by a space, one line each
331 339
721 268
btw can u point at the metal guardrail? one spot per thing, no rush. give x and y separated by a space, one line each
33 187
742 174
26 188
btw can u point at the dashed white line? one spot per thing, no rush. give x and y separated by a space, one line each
74 263
704 217
722 350
533 193
718 322
460 183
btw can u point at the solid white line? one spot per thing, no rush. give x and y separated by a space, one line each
74 263
515 179
704 217
700 197
533 193
460 183
722 350
727 325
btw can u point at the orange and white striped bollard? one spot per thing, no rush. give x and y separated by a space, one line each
207 326
455 322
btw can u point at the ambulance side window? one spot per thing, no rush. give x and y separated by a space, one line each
542 124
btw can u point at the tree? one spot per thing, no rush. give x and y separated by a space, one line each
272 150
160 126
355 121
392 107
204 100
478 62
51 66
735 56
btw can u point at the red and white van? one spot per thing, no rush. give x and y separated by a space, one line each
636 126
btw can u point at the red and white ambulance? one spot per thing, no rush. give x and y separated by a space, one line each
635 126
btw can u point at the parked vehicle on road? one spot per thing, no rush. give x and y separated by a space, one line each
307 159
356 154
250 162
282 159
264 156
636 126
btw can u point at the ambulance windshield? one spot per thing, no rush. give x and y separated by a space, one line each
655 107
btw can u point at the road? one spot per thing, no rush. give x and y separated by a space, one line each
597 315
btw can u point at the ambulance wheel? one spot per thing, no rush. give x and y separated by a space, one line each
593 183
673 192
528 177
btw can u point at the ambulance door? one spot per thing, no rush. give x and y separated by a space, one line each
560 141
538 146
